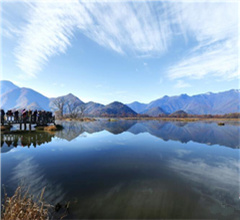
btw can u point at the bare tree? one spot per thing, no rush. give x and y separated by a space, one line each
73 109
58 104
82 109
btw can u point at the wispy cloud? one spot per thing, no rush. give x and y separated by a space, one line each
9 30
220 62
181 84
123 27
58 84
47 33
137 28
214 27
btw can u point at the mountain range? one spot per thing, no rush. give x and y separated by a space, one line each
208 103
14 97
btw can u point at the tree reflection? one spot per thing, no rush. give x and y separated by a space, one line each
26 140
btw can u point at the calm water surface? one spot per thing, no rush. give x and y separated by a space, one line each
130 170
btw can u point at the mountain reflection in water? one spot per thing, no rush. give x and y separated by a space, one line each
201 132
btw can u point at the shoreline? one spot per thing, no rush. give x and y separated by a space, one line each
188 119
181 119
166 119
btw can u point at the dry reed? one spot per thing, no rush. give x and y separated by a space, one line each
21 206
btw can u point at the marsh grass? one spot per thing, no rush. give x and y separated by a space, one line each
50 128
22 206
6 127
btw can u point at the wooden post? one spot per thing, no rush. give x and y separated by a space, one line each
20 125
30 126
25 125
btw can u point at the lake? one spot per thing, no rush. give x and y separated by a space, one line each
130 170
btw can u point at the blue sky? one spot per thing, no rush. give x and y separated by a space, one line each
104 51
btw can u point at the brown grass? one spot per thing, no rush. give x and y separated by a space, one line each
79 119
21 206
5 127
50 128
53 128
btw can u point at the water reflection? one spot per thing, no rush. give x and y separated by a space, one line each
33 178
131 174
73 129
200 132
8 141
220 175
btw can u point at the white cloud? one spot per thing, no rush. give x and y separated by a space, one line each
181 84
140 29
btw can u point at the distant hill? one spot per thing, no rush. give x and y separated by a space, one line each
154 112
179 113
7 86
138 107
208 103
91 108
115 109
20 98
